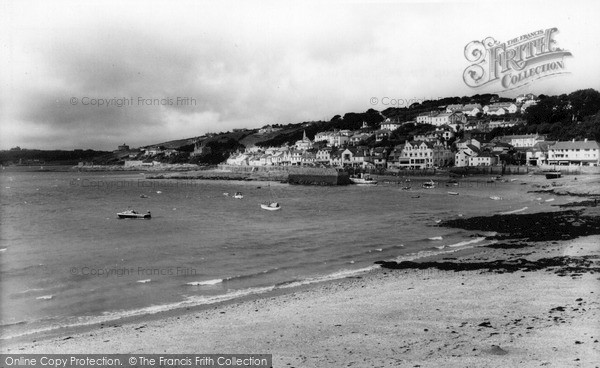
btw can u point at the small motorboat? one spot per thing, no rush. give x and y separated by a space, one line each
273 206
131 214
238 195
143 196
453 193
363 180
429 184
496 198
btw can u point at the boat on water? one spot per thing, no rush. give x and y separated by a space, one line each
552 174
496 198
272 206
238 195
453 193
363 180
131 214
429 184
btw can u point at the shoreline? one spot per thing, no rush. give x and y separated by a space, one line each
526 327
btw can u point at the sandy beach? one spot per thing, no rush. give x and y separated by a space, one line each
528 313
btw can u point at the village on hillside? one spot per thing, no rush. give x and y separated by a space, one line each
457 136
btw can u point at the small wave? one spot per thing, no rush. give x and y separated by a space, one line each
207 282
144 281
333 276
113 316
514 211
549 200
45 297
440 247
467 242
242 277
436 238
29 291
3 250
427 253
18 323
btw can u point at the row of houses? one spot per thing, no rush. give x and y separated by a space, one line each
489 125
580 153
413 155
522 102
532 148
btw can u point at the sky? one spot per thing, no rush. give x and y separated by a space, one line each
96 74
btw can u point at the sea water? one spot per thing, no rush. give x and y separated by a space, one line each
66 259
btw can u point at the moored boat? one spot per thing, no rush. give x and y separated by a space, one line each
131 214
552 174
238 195
363 180
429 184
273 206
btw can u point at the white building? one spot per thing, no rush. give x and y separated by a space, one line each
324 156
483 159
423 155
584 153
390 125
465 153
304 144
508 107
522 141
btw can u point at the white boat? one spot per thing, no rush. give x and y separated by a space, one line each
429 184
273 206
363 180
238 195
496 198
131 214
453 193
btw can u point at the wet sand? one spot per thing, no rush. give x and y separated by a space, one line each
524 302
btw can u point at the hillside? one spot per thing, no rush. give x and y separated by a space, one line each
564 117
